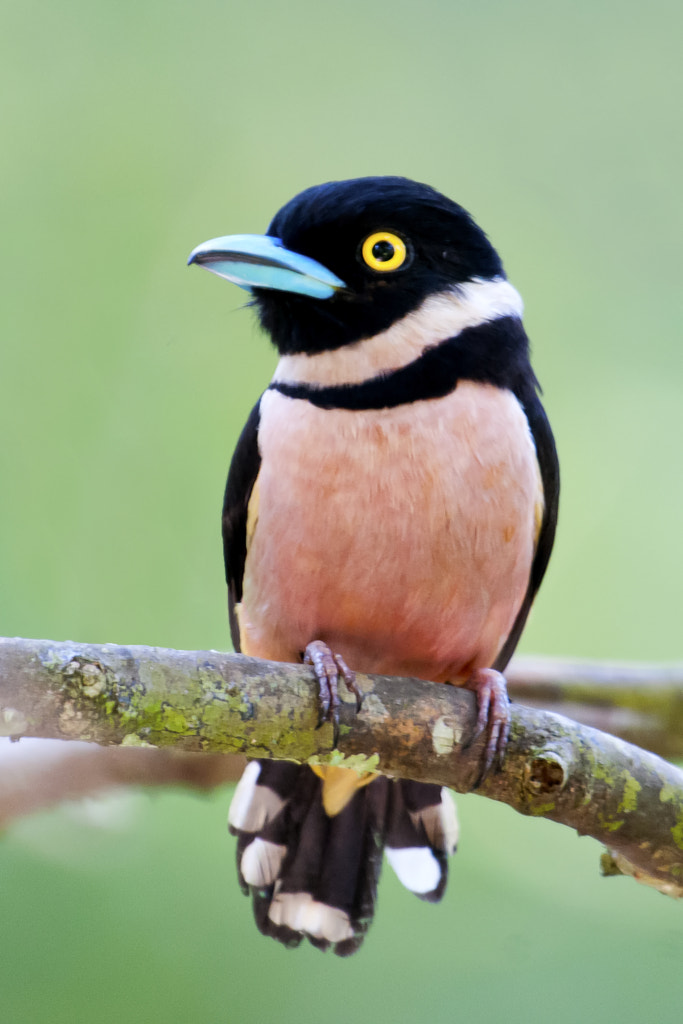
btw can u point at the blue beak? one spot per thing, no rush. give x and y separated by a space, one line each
259 261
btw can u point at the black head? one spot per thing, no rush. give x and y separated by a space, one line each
334 224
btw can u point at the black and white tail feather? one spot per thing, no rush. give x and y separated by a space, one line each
314 876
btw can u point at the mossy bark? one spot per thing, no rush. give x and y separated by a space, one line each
627 798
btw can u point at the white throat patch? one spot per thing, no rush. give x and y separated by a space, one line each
440 316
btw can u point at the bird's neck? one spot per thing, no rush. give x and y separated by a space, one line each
440 317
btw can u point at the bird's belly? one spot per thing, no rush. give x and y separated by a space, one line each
402 537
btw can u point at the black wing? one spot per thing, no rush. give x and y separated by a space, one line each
244 469
546 454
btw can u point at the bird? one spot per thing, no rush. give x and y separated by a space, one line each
390 508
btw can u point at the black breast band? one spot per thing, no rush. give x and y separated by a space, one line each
495 352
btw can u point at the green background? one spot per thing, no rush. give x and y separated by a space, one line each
130 133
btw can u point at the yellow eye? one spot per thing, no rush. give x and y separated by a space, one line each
384 251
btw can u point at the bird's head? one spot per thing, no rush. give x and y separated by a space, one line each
345 260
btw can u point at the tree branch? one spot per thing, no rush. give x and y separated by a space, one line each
625 797
36 773
641 703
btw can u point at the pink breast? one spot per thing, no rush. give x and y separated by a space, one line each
401 537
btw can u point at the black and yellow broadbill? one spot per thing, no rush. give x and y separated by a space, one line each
390 508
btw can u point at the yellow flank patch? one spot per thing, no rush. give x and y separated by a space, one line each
539 507
244 643
339 785
252 512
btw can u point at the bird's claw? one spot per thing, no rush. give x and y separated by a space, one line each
493 713
328 666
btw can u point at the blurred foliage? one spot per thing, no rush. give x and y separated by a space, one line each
133 131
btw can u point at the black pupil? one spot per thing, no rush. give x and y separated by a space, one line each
382 251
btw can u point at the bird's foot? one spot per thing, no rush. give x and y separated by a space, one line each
328 666
494 713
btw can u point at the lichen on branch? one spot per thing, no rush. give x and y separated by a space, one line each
627 798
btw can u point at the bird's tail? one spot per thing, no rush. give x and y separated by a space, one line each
314 874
